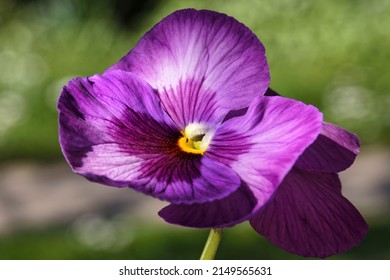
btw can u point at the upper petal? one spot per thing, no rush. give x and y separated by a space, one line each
114 131
308 216
195 57
261 147
334 150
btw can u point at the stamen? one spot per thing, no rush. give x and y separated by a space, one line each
195 140
189 146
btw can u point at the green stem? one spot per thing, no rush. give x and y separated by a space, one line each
211 246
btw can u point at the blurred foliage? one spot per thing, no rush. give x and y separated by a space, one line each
152 242
333 54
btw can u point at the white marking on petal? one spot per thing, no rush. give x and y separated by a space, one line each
194 130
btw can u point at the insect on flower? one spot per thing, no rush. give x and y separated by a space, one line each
187 116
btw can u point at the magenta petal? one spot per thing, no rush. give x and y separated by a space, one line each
114 131
334 150
195 57
308 216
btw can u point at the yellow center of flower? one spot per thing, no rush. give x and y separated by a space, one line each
195 140
190 146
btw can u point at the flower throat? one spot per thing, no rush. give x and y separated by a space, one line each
195 139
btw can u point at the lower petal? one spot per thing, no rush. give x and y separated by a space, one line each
187 179
219 213
308 216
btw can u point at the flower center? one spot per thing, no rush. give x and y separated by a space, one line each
196 138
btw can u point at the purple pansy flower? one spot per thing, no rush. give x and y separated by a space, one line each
187 117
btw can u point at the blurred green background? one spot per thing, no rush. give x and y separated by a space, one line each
334 54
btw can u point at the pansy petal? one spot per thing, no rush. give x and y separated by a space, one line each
124 138
202 63
261 147
308 216
218 213
334 150
168 175
93 110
